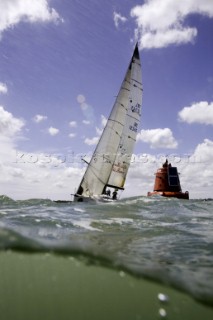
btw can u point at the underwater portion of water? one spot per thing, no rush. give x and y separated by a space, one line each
166 240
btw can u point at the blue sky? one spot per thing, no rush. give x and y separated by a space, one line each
61 66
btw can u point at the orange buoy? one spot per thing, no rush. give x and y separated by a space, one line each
167 183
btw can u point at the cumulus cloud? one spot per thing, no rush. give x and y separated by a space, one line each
160 23
197 174
9 125
10 128
99 131
91 141
38 176
14 11
196 171
169 37
103 121
25 175
103 124
72 135
39 118
204 152
73 124
117 17
3 88
53 131
200 112
31 175
158 138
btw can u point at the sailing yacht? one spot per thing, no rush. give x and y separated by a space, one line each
106 172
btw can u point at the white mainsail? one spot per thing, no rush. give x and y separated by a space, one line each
130 129
111 158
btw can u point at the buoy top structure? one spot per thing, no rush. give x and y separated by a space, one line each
167 183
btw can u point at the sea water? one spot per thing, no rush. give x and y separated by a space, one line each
166 240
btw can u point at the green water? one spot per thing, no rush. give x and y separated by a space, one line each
48 286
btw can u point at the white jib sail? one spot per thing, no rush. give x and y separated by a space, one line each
120 130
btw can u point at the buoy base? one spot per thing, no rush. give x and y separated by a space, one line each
171 194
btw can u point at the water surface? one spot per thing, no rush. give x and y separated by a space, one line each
165 240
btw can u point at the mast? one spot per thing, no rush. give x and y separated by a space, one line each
119 135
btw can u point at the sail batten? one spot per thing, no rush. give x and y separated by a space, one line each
111 158
132 117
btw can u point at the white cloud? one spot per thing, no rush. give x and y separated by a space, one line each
168 37
3 88
53 131
200 112
204 152
117 17
140 177
160 23
86 122
73 124
29 177
103 121
42 176
99 131
103 124
14 11
9 125
38 118
25 175
196 172
72 135
158 138
91 141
